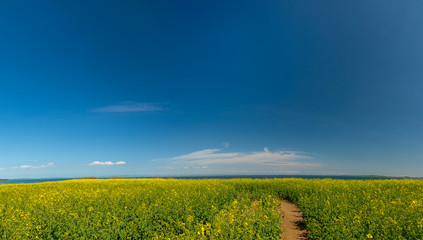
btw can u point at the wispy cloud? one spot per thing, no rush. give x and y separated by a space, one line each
265 157
207 154
130 107
108 163
34 167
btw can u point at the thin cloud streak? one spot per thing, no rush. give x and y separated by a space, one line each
130 107
206 154
107 163
34 167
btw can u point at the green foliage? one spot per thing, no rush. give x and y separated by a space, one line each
347 209
135 209
209 209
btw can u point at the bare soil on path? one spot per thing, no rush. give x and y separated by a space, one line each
292 222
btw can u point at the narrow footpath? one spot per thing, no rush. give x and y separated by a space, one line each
292 222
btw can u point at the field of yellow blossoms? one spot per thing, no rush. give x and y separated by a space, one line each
209 209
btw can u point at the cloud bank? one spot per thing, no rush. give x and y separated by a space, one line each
108 163
130 107
266 157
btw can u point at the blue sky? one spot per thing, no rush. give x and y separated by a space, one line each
150 88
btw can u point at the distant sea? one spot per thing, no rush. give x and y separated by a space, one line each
365 177
35 180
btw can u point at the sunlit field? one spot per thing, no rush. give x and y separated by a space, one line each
353 209
209 209
136 209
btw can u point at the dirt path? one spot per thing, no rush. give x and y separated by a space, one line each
292 222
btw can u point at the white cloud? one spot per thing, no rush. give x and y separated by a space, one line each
206 154
34 167
264 158
108 163
130 107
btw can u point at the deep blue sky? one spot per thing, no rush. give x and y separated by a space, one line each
107 88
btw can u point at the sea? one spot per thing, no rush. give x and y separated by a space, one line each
341 177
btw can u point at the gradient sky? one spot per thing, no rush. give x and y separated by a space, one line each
150 88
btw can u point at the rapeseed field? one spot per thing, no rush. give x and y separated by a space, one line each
209 209
352 209
135 209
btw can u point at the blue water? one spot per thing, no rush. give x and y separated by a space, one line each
299 176
40 180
